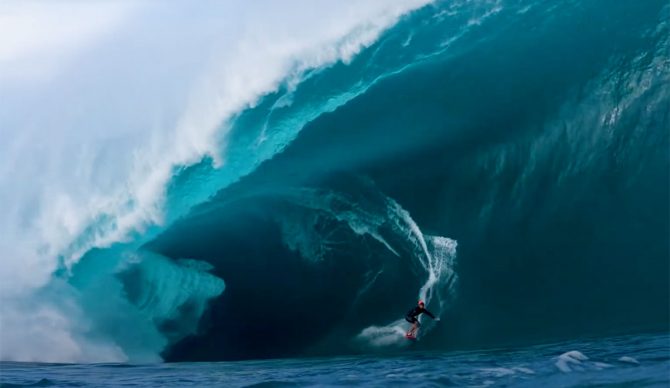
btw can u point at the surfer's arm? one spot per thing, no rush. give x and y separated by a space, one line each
429 313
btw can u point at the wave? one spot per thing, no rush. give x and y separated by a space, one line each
310 188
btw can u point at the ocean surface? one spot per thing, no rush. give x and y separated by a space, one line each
188 188
634 360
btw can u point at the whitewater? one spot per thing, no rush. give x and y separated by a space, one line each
233 181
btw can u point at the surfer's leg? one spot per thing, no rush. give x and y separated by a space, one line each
410 320
415 327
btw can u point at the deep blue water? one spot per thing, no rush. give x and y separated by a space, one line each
636 360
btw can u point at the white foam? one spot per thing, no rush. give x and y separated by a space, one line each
570 360
392 334
525 370
629 360
496 8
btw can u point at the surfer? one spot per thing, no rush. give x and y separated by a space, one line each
412 318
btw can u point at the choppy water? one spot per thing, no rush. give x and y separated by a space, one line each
635 360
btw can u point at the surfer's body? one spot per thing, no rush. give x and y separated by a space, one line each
413 318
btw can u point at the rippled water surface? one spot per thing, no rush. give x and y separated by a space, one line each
629 361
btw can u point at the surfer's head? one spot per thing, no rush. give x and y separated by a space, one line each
421 304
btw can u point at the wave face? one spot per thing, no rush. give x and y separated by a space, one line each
506 161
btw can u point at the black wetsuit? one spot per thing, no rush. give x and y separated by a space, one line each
415 312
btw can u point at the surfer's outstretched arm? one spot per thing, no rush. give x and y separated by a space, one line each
429 313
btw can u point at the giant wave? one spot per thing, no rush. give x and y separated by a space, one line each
310 194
